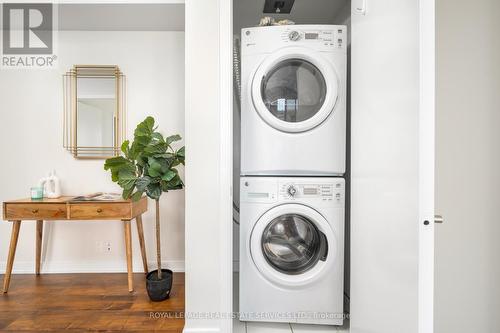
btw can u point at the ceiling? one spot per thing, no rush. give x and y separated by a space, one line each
170 17
247 13
121 17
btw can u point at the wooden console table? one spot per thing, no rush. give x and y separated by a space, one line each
63 209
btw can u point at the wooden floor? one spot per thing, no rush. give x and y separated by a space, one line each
88 302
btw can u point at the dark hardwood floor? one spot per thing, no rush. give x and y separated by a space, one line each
88 302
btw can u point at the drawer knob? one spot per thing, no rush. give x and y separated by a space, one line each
34 211
99 210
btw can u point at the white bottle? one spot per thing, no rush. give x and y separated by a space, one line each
51 186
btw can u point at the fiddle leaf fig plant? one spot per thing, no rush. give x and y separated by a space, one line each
148 165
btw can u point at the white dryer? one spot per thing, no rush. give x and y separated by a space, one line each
292 250
293 100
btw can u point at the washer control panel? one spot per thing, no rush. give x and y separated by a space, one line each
332 191
288 189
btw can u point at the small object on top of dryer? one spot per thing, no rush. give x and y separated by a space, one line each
268 21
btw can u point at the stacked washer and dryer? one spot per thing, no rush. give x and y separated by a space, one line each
293 157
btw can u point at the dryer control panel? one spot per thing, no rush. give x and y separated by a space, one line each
334 38
326 38
287 189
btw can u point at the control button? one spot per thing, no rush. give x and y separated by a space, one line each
294 36
291 190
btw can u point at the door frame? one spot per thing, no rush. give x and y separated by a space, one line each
427 111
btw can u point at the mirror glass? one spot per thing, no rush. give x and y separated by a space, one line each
96 110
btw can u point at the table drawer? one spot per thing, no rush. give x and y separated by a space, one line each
34 211
96 211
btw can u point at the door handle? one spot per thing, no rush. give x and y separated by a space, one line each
360 7
438 219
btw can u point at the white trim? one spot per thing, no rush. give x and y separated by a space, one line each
226 154
61 267
201 330
426 167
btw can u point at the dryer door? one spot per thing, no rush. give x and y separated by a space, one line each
292 245
295 89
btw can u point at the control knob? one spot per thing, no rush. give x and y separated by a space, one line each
294 36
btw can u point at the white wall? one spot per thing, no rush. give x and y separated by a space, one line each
467 167
31 143
208 165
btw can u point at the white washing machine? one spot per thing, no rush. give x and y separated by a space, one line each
293 100
292 250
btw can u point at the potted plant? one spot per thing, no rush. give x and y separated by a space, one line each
148 165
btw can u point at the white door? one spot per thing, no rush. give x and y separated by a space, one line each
392 166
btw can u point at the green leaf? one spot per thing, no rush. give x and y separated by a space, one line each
142 183
169 175
173 138
154 191
119 164
126 193
158 137
125 148
126 179
181 155
156 148
155 167
181 152
174 184
136 196
114 162
145 128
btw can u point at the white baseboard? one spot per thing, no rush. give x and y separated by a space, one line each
28 267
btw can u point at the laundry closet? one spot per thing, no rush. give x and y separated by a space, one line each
328 167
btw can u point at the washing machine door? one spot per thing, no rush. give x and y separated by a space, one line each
295 89
292 245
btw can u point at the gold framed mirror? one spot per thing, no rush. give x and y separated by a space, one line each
94 111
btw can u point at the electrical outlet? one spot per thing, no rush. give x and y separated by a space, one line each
104 247
107 247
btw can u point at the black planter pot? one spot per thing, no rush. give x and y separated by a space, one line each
159 290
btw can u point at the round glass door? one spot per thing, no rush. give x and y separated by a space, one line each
294 90
292 244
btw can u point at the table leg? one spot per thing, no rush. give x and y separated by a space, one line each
16 225
140 232
128 247
39 233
